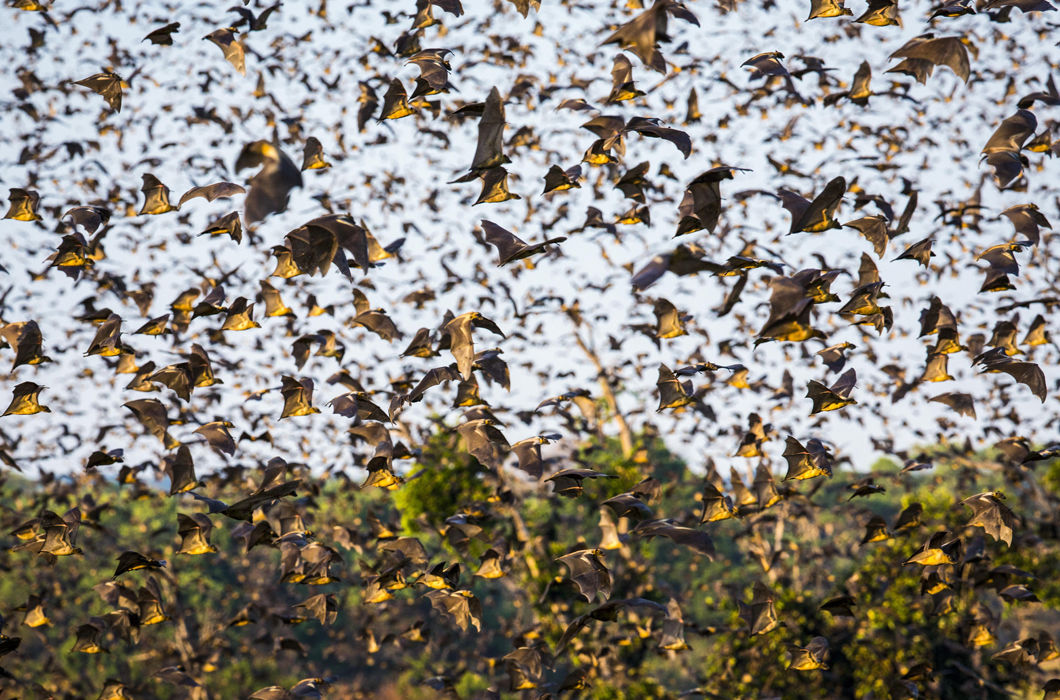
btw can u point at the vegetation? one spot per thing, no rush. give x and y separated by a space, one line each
234 625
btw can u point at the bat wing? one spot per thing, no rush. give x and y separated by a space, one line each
797 457
648 127
638 35
989 513
650 272
225 40
874 229
860 88
434 377
672 393
621 71
163 36
667 320
395 102
796 205
1027 373
462 606
297 397
588 573
461 345
684 536
486 324
107 85
947 51
1012 132
508 245
489 152
529 454
963 404
818 216
217 190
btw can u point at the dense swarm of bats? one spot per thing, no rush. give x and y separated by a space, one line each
246 258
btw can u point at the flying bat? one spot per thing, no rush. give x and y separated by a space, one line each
810 657
760 614
162 36
642 34
489 152
806 462
232 48
673 393
924 52
510 247
461 343
132 561
156 196
23 205
568 482
26 341
606 612
297 397
692 538
24 400
588 572
461 606
1027 373
272 185
395 102
194 530
832 398
217 190
107 85
991 514
828 8
817 215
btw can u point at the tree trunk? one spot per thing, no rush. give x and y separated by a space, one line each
625 435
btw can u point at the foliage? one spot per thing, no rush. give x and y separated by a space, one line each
897 628
444 480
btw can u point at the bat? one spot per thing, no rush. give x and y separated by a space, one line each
811 657
831 398
133 561
162 36
232 48
588 572
696 540
217 190
817 215
107 85
806 462
1026 373
395 102
297 397
509 246
828 8
156 196
194 530
924 52
461 346
874 229
990 513
673 393
271 186
568 482
642 34
760 614
489 151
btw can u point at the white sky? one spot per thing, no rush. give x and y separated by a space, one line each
941 137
